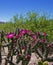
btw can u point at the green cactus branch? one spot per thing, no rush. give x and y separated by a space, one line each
10 61
50 59
36 51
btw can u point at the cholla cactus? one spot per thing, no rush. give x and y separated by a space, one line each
42 48
24 47
25 43
11 38
0 55
43 63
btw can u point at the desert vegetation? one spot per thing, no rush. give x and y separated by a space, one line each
24 35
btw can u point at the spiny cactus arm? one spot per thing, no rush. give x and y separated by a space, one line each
47 50
43 48
38 51
25 62
35 49
20 48
0 55
46 53
27 56
40 55
19 56
50 59
10 61
6 45
29 49
18 59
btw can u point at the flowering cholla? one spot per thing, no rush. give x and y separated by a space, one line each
10 35
25 43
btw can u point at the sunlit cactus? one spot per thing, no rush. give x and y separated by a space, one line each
24 43
42 47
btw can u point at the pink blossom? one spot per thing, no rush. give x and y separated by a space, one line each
45 34
18 36
43 40
19 55
15 41
10 35
24 31
28 57
38 33
33 36
49 45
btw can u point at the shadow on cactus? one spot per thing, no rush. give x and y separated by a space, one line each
43 47
25 43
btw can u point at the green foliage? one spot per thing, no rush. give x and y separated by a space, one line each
31 21
40 63
43 63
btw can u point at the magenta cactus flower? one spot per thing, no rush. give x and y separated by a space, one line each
15 41
45 34
22 32
33 36
49 45
28 57
10 35
38 33
19 55
18 36
42 40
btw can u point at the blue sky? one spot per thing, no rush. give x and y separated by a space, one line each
9 8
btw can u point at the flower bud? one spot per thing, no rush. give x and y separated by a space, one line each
45 34
28 57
